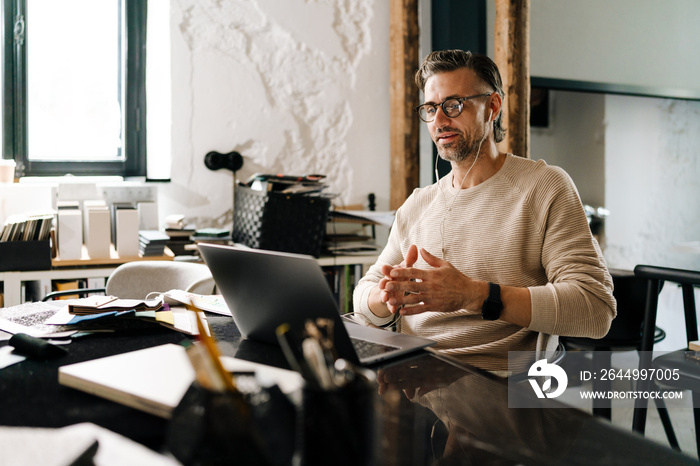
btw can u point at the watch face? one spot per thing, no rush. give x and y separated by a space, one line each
491 310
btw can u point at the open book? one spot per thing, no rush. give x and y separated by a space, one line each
100 304
109 313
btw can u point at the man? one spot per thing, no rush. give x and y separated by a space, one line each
496 256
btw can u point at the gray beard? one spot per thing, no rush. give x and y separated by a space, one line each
459 151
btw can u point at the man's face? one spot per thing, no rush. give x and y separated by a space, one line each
457 138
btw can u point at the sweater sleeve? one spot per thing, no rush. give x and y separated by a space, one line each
392 254
577 300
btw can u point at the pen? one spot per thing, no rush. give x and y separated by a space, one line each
314 355
291 347
322 331
108 299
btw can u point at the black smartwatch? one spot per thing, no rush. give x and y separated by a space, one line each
491 310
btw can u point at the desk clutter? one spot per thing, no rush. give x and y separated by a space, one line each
61 319
233 417
290 213
223 410
336 418
183 237
281 213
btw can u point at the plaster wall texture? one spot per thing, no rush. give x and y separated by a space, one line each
295 86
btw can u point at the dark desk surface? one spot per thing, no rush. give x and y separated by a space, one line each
463 419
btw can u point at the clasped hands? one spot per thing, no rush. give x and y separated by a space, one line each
440 288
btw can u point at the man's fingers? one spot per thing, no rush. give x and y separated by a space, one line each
430 259
411 256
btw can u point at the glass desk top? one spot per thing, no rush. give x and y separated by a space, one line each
423 410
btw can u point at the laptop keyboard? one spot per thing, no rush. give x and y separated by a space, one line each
365 348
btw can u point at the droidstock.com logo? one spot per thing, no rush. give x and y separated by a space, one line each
546 372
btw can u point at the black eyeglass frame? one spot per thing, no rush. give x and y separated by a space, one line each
461 101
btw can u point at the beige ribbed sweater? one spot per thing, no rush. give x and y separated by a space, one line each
524 227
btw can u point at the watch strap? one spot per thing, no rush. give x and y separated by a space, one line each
492 307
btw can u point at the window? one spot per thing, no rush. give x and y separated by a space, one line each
74 86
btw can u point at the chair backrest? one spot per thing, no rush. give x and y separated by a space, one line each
630 294
655 277
135 280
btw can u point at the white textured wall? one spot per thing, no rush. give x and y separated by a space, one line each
295 86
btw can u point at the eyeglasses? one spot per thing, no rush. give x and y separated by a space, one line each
450 107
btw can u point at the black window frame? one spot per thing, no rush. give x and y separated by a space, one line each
14 144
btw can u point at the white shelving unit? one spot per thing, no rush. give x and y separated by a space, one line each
12 282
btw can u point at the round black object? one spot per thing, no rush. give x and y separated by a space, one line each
216 160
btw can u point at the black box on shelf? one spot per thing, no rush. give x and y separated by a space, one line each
18 256
280 222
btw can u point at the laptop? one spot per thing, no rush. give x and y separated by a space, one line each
264 289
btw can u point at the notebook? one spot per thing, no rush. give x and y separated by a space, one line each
155 379
264 289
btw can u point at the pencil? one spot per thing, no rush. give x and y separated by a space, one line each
212 350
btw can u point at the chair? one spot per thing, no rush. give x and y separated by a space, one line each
688 370
135 280
625 332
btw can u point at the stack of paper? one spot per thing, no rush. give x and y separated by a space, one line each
36 227
152 242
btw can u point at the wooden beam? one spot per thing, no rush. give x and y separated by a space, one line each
512 55
403 96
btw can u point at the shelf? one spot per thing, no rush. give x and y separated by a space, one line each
114 259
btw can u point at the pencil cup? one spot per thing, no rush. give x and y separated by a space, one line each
212 428
337 426
7 171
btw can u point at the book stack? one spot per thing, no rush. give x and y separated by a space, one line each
33 227
212 235
179 234
152 242
179 239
